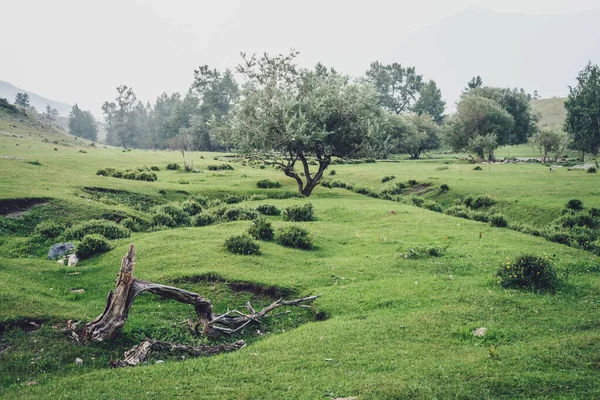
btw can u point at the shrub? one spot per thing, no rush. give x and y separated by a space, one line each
161 218
220 167
240 214
268 184
202 200
173 167
231 199
134 174
184 182
49 229
154 168
130 224
480 216
444 187
92 244
498 221
192 207
299 213
412 182
258 197
203 220
261 229
180 217
296 237
108 229
242 244
575 204
417 201
483 201
424 251
268 209
477 168
591 170
432 205
387 178
458 211
332 172
528 272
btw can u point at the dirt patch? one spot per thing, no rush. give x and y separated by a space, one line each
274 292
419 189
27 325
14 208
137 201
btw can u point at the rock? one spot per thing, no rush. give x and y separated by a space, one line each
78 361
479 332
59 249
159 362
73 260
31 383
76 291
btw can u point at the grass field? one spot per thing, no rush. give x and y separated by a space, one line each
385 326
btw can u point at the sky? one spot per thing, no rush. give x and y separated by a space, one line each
79 51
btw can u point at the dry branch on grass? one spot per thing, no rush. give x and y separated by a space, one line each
127 288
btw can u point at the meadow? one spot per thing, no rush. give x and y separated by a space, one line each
387 325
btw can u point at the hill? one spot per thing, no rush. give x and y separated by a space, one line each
535 52
552 111
9 92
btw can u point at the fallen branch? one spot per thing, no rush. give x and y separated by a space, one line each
139 353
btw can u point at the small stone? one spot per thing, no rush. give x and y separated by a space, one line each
76 291
31 383
479 332
72 260
78 361
159 362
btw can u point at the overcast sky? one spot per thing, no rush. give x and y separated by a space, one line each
78 51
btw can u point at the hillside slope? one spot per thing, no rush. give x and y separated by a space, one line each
9 92
552 111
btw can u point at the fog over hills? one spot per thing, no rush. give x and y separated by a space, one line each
9 92
535 52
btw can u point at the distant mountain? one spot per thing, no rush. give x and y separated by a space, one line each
535 52
9 92
552 111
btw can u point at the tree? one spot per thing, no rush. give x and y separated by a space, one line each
121 118
50 114
549 140
398 86
414 134
430 102
82 124
22 99
518 104
479 126
474 83
287 115
583 112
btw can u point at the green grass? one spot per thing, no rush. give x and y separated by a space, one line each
395 328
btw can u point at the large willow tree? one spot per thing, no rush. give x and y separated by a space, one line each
290 117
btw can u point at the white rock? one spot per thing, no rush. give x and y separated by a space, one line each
73 260
479 332
159 362
78 361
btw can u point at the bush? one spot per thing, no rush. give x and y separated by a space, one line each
412 182
424 251
477 168
261 229
203 220
293 236
332 172
240 214
192 207
575 204
299 213
268 209
231 199
417 201
173 167
591 170
432 205
458 211
480 216
92 244
132 174
444 187
268 184
108 229
130 224
498 221
202 200
242 244
528 272
483 201
161 218
387 178
179 215
49 229
154 168
220 167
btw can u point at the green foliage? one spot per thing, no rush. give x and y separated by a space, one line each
458 211
294 236
220 167
191 207
268 209
549 141
423 251
591 170
132 174
261 229
574 204
173 167
82 124
130 224
480 216
155 168
299 213
398 86
203 220
232 199
430 102
161 218
242 244
498 220
583 112
268 184
22 99
332 172
108 229
444 187
479 202
528 272
49 229
178 214
414 134
240 214
92 244
477 168
387 178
